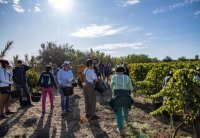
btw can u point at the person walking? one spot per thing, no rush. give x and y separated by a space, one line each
64 78
126 66
101 70
107 71
46 82
5 89
20 80
88 90
121 87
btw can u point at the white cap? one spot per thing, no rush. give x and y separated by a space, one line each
66 63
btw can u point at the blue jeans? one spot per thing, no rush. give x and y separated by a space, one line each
120 117
64 100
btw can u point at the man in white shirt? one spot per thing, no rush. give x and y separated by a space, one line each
88 89
64 78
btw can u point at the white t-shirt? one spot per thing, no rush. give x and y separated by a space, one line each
90 75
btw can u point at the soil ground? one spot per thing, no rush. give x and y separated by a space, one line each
29 122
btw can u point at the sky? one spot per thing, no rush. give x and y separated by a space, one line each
157 28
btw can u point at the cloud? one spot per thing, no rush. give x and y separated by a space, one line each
196 13
174 6
148 34
4 1
17 6
124 3
37 7
16 2
160 10
97 31
113 46
132 2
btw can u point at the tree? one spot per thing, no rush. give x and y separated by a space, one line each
26 59
7 47
182 58
196 57
135 59
15 59
167 59
52 53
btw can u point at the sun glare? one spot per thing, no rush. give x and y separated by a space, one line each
62 5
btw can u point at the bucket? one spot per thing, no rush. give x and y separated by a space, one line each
74 84
67 91
101 86
35 97
15 94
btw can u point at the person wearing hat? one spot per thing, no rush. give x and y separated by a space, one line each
20 79
88 90
64 78
121 86
46 82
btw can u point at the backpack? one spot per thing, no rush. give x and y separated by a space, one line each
46 80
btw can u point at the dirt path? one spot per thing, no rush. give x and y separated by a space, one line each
29 122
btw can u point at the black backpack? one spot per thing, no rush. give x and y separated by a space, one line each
46 80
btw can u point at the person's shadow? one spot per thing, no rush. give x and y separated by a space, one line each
70 120
40 131
96 129
6 125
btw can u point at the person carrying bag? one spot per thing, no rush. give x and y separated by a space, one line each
121 100
88 90
65 78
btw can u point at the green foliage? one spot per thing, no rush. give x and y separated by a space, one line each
148 77
32 78
182 95
152 84
136 59
144 88
167 59
138 72
7 47
52 53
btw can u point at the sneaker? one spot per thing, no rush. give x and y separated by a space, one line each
8 112
21 107
30 105
69 110
95 117
2 116
63 112
121 132
43 112
87 116
52 107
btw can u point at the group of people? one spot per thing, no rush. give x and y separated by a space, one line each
18 75
120 84
103 71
